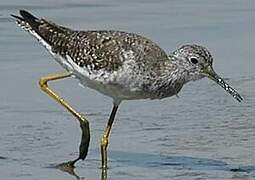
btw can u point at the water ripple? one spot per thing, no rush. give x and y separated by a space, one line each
176 162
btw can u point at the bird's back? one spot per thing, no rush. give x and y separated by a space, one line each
108 50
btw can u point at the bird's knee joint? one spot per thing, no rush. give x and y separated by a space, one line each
104 141
43 83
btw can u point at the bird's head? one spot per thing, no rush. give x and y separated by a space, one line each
197 61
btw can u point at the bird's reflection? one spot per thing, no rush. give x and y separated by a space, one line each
103 174
69 168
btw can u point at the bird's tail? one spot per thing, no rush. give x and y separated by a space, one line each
48 33
27 21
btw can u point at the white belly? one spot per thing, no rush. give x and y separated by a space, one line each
101 82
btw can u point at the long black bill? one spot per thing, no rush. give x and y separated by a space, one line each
210 73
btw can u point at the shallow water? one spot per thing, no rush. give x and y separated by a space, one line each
204 134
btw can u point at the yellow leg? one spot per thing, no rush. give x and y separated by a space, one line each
84 124
104 141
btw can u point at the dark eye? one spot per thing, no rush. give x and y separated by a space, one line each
194 60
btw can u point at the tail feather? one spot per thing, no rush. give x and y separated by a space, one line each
17 17
49 34
27 21
27 16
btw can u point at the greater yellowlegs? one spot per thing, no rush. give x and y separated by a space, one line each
121 65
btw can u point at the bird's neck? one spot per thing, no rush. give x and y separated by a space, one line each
176 71
171 79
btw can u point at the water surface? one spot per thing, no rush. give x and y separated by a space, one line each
204 134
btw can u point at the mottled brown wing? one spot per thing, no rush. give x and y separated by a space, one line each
109 49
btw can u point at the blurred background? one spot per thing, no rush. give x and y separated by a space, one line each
204 134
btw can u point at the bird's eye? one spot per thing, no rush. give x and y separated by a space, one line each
194 60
